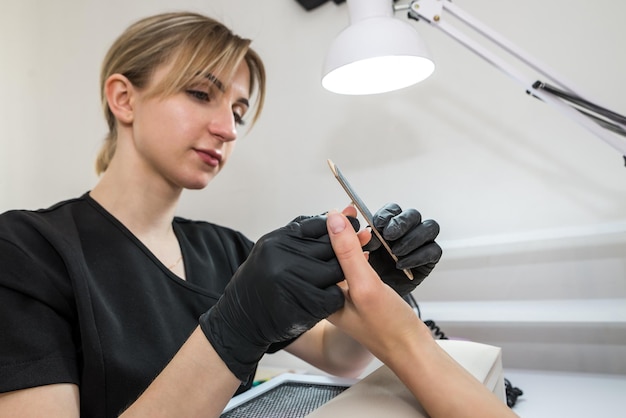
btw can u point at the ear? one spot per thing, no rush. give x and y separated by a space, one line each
119 94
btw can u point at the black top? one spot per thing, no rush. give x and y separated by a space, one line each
83 301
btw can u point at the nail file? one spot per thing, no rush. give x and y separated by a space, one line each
365 212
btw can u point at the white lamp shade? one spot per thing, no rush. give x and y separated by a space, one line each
375 55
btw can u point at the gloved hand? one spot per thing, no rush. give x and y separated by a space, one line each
411 240
286 285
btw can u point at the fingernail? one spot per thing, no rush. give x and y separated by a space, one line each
336 222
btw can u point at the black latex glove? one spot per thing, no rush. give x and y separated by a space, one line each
411 240
286 285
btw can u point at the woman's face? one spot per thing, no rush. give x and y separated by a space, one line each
186 138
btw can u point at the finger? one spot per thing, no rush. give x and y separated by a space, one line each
315 226
380 220
348 250
311 227
365 236
306 236
301 218
422 234
402 223
327 273
428 254
349 210
356 225
318 302
384 214
373 244
313 248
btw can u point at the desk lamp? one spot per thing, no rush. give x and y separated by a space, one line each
377 53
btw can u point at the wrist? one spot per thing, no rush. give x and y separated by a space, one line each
240 356
412 345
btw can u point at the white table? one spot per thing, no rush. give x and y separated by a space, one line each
572 395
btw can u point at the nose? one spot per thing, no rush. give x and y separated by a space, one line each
222 124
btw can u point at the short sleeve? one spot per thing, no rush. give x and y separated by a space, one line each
273 348
36 316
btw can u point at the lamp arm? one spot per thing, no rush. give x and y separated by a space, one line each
431 11
580 102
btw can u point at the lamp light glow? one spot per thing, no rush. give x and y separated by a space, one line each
376 53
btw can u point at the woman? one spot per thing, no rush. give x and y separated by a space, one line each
108 287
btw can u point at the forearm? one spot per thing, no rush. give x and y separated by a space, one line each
345 356
442 386
195 383
328 348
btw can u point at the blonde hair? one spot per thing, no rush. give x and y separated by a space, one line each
196 45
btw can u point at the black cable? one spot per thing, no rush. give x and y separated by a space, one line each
437 332
512 393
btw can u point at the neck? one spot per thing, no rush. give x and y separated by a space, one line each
145 208
144 201
147 212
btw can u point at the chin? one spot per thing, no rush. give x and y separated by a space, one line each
195 187
198 180
198 183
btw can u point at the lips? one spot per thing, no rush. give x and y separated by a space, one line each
210 157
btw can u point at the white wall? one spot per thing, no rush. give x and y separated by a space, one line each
512 182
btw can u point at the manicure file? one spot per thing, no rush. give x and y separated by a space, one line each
367 215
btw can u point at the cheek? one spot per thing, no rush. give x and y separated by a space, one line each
171 117
150 120
163 123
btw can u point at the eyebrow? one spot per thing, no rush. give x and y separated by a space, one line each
216 81
213 79
244 102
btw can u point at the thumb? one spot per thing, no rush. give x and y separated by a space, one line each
347 248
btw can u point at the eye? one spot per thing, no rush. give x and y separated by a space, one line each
239 119
199 95
238 113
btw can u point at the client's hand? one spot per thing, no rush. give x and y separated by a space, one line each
377 317
373 314
286 285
